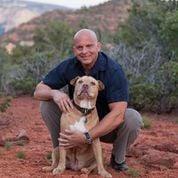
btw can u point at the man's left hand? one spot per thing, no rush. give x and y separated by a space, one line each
70 139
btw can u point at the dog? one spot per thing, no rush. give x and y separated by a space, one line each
82 118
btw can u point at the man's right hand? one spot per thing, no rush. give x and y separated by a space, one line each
62 100
44 92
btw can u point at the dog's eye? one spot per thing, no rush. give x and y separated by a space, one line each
80 81
93 83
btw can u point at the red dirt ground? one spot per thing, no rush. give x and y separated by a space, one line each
154 155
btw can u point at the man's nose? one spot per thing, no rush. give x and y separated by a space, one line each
84 50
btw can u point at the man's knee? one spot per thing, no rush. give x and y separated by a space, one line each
48 106
133 119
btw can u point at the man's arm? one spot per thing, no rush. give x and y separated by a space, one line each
111 121
44 92
107 124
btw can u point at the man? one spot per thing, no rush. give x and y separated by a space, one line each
118 125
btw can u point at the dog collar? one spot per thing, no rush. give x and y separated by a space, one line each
84 111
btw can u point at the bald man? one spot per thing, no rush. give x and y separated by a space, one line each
118 125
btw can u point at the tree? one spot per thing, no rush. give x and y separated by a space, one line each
146 46
56 36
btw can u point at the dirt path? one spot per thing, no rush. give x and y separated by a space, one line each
154 155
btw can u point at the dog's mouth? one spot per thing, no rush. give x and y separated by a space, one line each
84 92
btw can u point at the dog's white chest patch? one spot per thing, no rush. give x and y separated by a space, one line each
85 104
79 125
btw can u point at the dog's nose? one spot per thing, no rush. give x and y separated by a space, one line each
85 86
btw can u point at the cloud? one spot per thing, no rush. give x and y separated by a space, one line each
72 4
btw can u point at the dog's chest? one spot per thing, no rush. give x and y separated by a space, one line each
77 122
79 125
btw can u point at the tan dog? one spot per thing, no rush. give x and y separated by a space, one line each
82 118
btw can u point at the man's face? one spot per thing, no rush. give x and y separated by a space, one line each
86 50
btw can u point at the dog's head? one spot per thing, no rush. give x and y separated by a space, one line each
86 91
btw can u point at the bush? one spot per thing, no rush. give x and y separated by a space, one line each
146 47
132 172
23 86
27 66
8 145
20 155
22 78
144 97
56 37
5 104
146 122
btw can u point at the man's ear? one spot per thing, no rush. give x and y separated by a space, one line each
99 46
74 50
101 85
73 81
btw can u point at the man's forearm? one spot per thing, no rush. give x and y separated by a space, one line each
106 125
110 122
43 92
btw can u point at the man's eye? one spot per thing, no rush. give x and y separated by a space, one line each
89 46
93 83
79 48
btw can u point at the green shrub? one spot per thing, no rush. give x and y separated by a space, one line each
147 122
8 145
23 86
20 155
146 47
176 121
133 172
56 36
144 96
1 153
5 104
49 155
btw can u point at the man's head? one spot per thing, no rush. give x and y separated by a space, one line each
86 47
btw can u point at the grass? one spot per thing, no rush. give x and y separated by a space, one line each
5 104
1 153
20 155
132 172
147 122
7 145
48 156
176 121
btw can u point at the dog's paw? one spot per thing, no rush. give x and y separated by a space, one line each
105 174
48 168
85 171
58 170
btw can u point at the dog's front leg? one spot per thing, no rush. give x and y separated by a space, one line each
62 162
98 156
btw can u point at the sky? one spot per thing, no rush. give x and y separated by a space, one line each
71 3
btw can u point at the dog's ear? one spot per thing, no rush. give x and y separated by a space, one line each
73 81
101 85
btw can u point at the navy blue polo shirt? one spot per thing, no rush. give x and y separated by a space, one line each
105 69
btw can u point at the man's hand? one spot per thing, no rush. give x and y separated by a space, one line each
70 139
62 100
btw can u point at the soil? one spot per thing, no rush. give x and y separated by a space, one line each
153 155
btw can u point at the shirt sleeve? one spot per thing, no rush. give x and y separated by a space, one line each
117 89
56 79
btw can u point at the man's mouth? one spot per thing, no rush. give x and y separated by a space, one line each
85 56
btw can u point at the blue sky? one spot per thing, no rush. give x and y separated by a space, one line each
71 3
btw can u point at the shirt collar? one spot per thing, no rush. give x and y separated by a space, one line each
100 64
